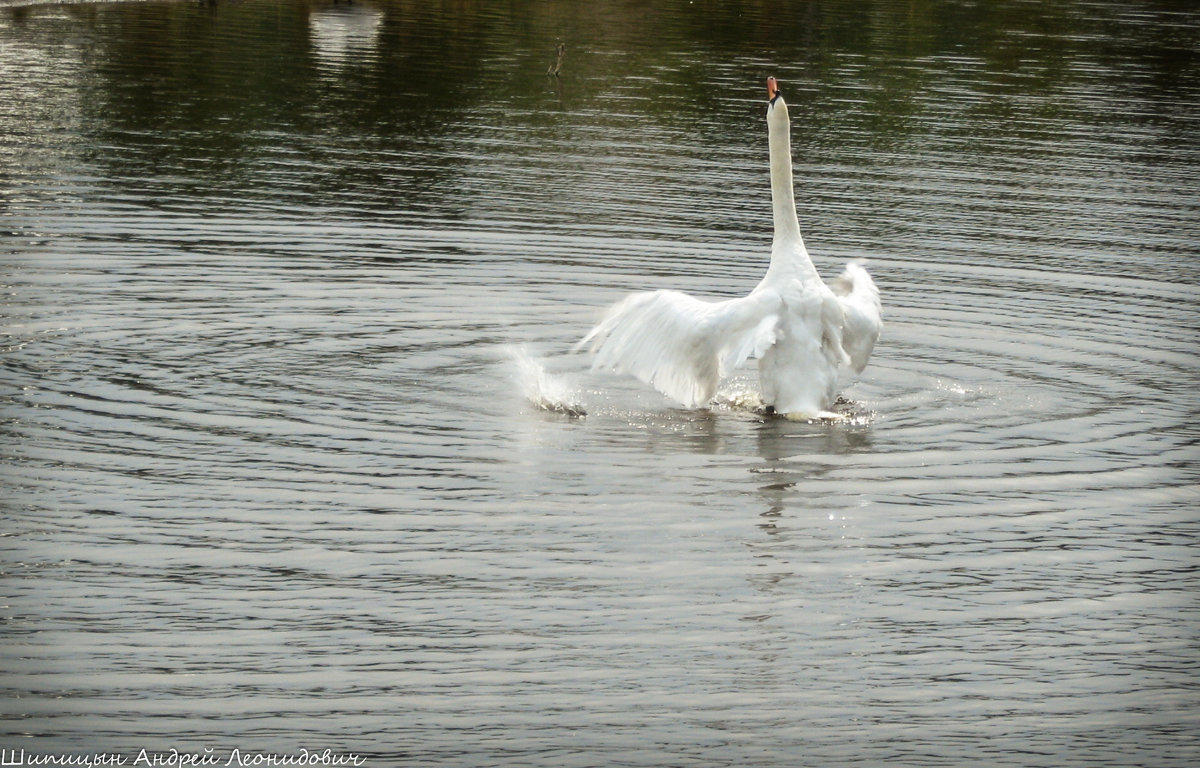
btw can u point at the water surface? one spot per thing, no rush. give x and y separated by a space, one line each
271 478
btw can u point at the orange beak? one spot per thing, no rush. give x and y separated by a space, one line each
772 88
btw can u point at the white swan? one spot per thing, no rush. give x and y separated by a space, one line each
802 331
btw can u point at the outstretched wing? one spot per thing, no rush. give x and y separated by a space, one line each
856 292
681 345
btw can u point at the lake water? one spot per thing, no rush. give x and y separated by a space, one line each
273 478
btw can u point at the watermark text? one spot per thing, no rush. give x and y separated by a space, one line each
174 758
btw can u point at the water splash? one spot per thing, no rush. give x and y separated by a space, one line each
548 392
741 399
844 411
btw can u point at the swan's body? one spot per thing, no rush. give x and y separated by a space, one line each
802 331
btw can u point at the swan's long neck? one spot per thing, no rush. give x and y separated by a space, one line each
783 200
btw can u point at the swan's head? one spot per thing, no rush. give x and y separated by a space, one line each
776 106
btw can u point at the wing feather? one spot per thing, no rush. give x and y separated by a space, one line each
682 345
856 292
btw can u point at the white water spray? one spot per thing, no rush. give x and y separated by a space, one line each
544 390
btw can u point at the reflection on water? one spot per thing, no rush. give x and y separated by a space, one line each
343 34
271 477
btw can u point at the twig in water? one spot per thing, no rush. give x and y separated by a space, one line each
556 67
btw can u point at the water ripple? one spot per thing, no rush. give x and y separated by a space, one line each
271 473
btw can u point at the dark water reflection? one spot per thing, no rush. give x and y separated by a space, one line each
271 479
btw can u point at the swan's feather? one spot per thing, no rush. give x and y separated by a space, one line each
856 292
682 345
